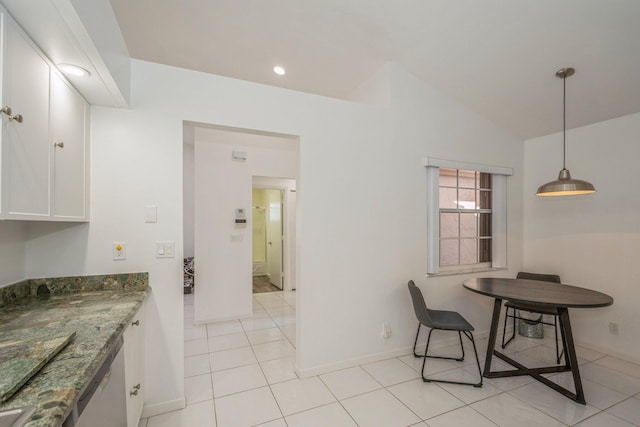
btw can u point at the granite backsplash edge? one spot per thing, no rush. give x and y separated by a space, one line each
31 288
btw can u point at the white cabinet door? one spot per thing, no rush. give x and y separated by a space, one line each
134 364
26 154
68 135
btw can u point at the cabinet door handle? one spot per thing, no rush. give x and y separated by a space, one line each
136 323
7 110
58 144
135 390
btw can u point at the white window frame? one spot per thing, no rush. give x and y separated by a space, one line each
498 221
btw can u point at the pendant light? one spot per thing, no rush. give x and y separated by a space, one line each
565 185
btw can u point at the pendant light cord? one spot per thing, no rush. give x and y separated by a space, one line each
564 121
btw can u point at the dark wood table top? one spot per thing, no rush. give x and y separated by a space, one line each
538 292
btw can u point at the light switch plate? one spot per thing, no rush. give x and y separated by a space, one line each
165 249
150 214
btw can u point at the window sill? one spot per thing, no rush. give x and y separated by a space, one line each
464 271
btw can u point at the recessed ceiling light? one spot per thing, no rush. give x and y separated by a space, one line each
73 70
279 70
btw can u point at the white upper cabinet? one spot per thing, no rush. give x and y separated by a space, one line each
44 157
68 135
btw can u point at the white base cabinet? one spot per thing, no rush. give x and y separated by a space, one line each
134 365
44 153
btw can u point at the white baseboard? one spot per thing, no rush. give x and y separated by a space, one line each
350 363
222 319
402 351
163 407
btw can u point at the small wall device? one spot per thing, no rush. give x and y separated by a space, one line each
240 216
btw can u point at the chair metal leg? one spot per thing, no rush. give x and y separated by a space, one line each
469 335
416 342
504 328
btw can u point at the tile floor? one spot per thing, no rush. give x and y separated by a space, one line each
241 373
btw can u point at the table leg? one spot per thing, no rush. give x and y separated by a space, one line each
570 353
493 332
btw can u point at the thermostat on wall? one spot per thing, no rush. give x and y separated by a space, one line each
240 216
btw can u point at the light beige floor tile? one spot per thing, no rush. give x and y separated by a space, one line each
609 378
274 350
604 419
195 333
464 416
257 323
379 409
279 370
200 414
562 409
224 328
198 389
506 410
248 408
332 415
196 365
237 379
299 395
196 347
226 342
231 358
427 400
620 365
390 371
595 394
349 382
628 410
262 336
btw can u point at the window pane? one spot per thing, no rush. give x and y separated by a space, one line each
448 224
467 179
484 180
468 225
467 199
485 250
448 252
485 225
484 199
448 198
448 177
468 251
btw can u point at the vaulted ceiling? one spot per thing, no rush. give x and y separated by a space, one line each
499 57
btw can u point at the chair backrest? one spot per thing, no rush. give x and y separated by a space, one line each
419 306
541 277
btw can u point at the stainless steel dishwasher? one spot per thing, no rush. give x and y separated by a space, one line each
103 401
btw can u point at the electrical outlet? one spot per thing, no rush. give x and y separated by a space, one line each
119 251
386 330
614 328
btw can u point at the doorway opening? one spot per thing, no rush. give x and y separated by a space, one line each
273 234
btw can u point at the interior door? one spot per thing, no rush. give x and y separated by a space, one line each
274 237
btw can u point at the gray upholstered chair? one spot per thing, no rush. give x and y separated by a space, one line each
532 308
440 320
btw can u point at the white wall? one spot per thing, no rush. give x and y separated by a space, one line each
13 235
361 197
590 241
223 249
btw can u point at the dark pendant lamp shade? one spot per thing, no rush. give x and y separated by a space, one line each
565 185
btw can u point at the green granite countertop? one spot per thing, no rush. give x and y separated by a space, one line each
96 308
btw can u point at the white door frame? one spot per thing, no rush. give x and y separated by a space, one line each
288 221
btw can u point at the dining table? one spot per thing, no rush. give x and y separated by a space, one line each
556 295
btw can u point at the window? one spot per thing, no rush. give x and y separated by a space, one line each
466 216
